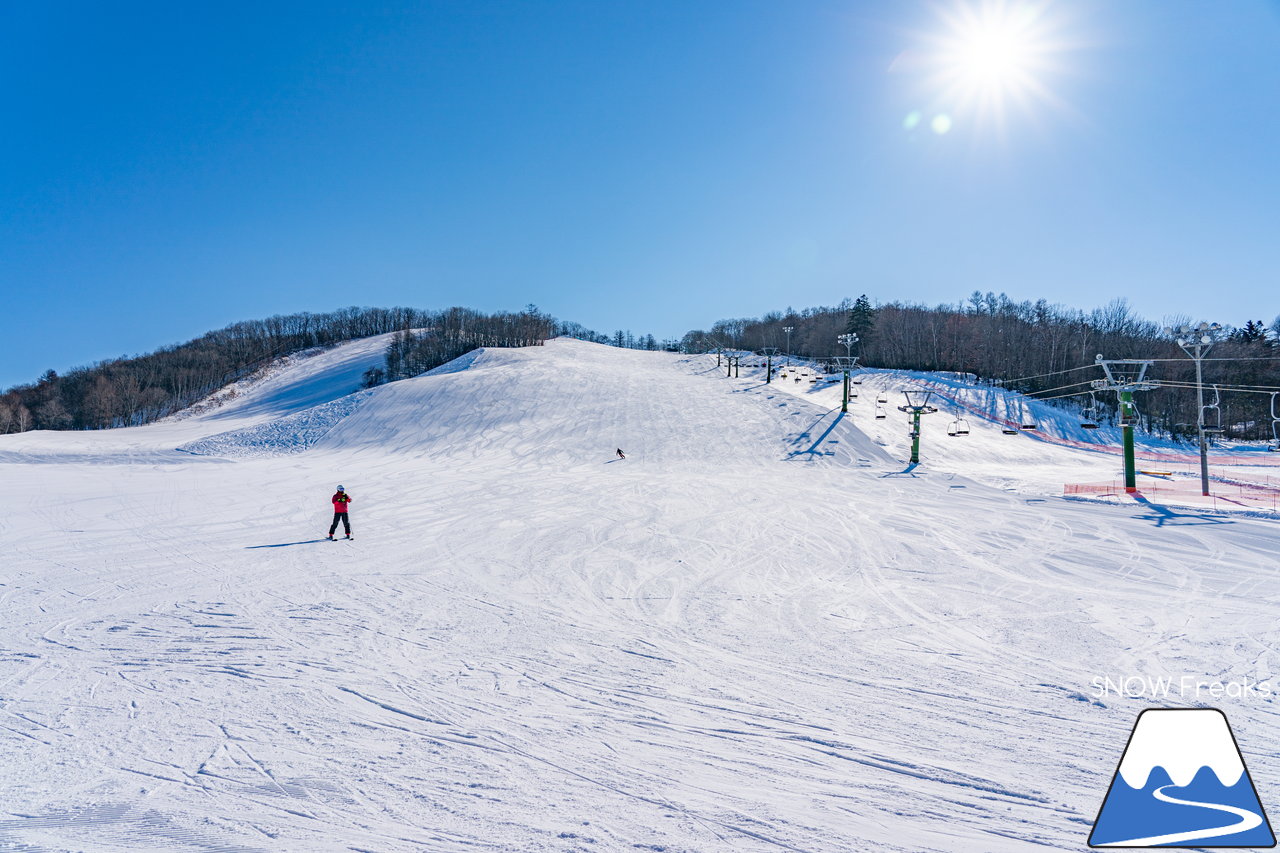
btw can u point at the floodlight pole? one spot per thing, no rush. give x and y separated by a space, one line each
1195 342
788 330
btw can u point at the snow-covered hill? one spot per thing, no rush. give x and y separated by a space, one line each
760 631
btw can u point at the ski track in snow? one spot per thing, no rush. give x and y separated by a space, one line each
760 631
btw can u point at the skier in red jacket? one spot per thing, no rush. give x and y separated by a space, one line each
340 500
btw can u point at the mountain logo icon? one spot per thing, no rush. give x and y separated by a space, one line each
1182 783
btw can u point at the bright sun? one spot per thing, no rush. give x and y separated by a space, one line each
993 55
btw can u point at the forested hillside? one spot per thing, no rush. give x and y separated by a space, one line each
141 389
1040 349
1035 347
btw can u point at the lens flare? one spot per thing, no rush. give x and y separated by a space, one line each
992 56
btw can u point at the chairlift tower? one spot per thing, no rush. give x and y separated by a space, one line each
1124 376
846 363
917 405
769 353
1274 446
731 365
850 362
788 330
1195 342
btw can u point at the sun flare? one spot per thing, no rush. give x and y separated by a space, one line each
993 56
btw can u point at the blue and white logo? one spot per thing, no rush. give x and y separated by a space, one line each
1182 783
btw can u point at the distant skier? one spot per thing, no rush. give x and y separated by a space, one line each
340 500
621 455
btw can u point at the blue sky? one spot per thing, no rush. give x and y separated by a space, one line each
168 168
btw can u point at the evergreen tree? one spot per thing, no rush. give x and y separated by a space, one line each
862 320
1253 332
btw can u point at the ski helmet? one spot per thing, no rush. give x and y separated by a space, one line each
340 488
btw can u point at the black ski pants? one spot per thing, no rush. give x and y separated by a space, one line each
346 524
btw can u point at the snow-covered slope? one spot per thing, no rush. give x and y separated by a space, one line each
294 387
1033 461
760 631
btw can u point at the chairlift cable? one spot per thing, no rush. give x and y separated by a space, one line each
1042 375
1032 394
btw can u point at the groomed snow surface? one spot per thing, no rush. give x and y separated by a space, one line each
761 631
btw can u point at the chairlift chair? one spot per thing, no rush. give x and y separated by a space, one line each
881 414
1089 417
1010 430
1211 414
1274 446
958 427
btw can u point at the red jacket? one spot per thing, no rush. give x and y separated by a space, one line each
340 501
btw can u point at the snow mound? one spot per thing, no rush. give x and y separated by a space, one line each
282 436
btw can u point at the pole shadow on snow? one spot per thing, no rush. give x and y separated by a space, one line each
812 450
1163 516
285 544
909 471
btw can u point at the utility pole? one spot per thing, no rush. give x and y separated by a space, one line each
788 330
1124 376
917 405
846 363
1195 342
769 353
